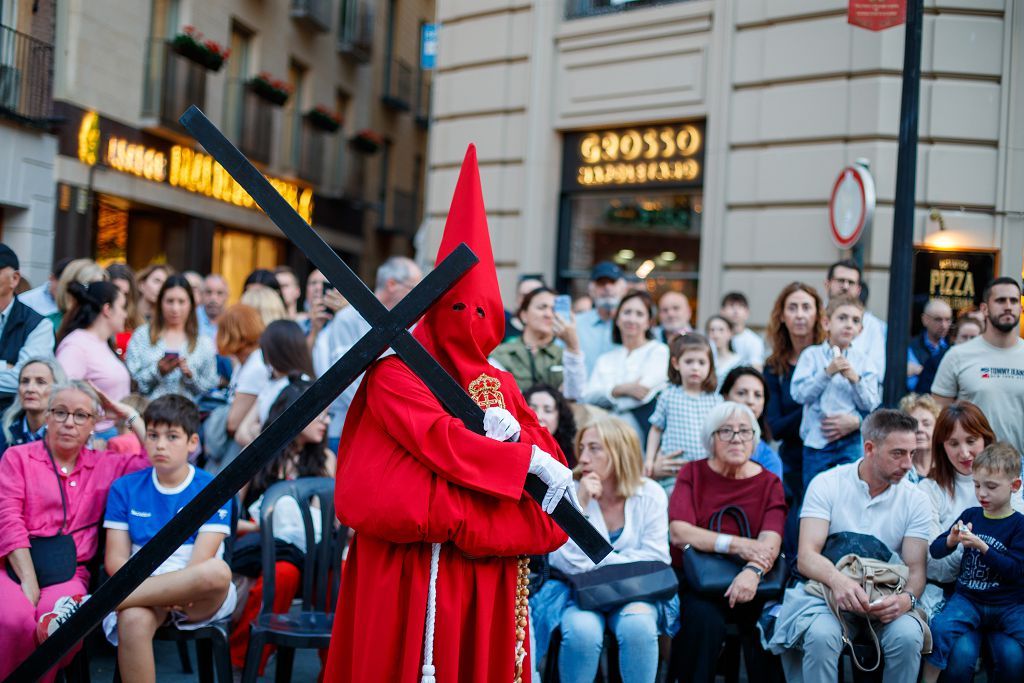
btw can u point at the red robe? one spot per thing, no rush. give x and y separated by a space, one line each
409 475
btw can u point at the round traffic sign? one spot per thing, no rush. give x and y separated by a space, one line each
851 206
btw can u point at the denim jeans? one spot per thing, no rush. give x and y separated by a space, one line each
636 629
961 616
1004 659
839 452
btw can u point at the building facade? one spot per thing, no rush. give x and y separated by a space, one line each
697 142
325 96
28 148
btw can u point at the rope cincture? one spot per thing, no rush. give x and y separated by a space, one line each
521 614
428 637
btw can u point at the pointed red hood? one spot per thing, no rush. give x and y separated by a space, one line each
468 322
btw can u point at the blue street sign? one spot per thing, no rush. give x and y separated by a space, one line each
428 47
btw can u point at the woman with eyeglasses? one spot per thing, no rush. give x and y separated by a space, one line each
56 485
726 478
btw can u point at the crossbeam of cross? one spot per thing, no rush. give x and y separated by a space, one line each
387 329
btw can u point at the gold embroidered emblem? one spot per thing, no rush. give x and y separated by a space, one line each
486 391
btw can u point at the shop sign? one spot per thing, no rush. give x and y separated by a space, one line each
178 166
669 155
876 15
958 277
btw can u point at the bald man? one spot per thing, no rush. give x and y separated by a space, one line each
928 348
673 316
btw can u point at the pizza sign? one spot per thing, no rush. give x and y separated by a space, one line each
877 15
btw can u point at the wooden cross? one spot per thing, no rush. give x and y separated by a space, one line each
387 329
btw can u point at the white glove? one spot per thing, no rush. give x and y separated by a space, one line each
557 476
500 425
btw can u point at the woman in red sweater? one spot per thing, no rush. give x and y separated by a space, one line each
726 478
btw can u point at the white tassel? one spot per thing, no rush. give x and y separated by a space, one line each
428 636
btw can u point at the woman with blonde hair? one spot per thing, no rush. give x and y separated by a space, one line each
82 271
267 302
631 511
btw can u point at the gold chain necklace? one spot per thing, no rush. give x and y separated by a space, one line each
521 612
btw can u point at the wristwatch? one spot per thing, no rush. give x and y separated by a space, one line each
913 600
757 570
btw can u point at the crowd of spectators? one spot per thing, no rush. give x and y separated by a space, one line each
124 392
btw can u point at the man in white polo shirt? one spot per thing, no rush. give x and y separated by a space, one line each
870 497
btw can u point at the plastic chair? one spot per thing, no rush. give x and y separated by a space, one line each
213 656
310 627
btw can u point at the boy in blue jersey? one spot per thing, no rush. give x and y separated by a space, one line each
990 588
193 586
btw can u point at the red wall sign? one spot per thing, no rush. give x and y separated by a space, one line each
876 15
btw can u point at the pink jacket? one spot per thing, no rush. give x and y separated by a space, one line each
30 502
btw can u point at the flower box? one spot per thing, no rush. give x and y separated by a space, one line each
207 53
366 141
267 87
322 118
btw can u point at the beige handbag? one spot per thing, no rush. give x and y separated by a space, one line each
879 580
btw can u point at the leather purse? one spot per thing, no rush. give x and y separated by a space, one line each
879 580
55 558
711 574
605 588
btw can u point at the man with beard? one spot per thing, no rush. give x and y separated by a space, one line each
989 369
607 287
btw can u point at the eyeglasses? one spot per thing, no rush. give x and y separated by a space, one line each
80 417
726 434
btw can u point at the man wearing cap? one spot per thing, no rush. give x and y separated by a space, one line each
23 332
607 287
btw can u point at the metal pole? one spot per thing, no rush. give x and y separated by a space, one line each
903 220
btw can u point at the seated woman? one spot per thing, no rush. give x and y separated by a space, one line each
306 456
924 409
536 357
727 477
631 512
54 485
961 433
628 379
745 385
25 420
554 412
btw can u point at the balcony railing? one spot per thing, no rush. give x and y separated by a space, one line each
313 14
173 83
585 8
398 93
257 125
311 157
355 29
26 78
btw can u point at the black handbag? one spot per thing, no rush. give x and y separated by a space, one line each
247 555
711 574
55 558
605 588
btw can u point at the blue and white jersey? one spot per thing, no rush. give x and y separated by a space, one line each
139 504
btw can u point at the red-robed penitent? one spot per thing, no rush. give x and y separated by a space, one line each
409 475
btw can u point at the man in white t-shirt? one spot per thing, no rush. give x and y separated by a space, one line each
989 369
745 342
871 497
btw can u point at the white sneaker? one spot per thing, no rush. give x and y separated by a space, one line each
62 611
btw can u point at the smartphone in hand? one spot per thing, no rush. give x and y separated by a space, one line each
563 306
171 355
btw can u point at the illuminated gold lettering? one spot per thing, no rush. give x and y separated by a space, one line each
590 148
651 142
630 145
610 146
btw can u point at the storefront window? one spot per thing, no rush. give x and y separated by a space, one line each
237 253
652 235
586 8
633 196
